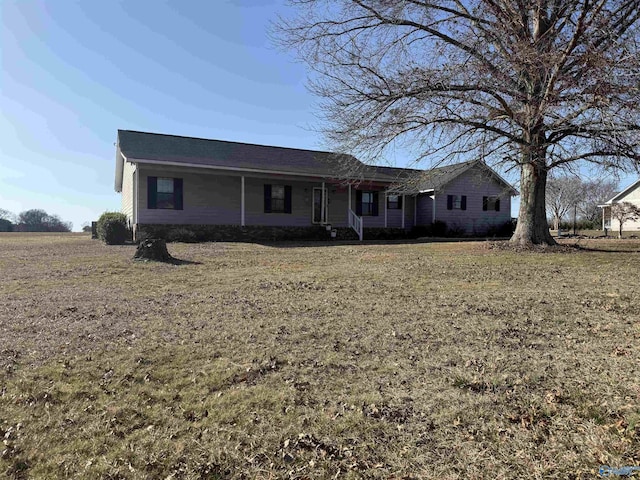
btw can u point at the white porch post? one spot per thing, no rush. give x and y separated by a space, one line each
403 211
433 216
242 201
322 202
385 209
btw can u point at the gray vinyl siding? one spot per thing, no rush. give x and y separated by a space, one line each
301 203
394 217
475 184
215 199
425 210
127 190
207 199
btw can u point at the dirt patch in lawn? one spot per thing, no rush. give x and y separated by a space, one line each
450 360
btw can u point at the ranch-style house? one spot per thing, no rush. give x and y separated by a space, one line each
239 191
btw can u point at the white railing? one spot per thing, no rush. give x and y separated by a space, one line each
355 222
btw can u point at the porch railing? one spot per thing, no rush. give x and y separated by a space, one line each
355 222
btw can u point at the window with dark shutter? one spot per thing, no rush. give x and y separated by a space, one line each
491 204
368 204
456 202
267 198
164 193
277 198
394 202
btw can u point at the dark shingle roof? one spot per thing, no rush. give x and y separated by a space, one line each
155 147
219 153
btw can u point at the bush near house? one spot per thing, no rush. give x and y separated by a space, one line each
113 229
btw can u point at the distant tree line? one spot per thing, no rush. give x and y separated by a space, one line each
569 196
35 220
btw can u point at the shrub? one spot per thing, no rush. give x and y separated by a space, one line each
112 228
185 235
505 229
439 228
455 231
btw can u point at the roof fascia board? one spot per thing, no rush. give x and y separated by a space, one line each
242 169
624 192
120 159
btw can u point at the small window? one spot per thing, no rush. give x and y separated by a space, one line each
394 202
277 198
456 202
491 204
164 193
367 203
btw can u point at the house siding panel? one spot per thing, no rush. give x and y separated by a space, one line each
475 184
425 210
208 199
301 196
633 197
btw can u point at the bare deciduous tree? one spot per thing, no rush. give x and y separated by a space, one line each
535 84
595 192
624 212
563 194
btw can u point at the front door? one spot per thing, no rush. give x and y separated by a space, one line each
318 216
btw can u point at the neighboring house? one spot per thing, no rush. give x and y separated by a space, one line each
234 188
630 194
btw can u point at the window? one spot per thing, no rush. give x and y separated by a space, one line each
394 202
456 202
164 193
491 203
277 198
366 203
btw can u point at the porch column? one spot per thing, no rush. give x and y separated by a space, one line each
385 209
322 202
242 201
433 215
403 211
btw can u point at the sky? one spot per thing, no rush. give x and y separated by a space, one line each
74 72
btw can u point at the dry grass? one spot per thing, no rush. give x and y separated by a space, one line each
441 360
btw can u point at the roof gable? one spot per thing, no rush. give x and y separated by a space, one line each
618 196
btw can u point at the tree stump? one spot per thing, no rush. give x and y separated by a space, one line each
153 249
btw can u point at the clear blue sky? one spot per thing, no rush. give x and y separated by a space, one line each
75 72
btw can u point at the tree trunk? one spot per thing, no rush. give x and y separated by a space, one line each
153 249
532 227
620 232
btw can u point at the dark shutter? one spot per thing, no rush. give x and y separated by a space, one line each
497 204
399 201
463 203
287 199
359 202
152 192
449 202
374 212
485 203
267 198
177 191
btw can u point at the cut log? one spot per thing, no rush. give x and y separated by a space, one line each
153 249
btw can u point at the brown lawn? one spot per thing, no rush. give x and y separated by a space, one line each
419 360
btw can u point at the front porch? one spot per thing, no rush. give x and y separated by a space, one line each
227 200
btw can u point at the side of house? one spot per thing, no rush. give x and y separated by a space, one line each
630 194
